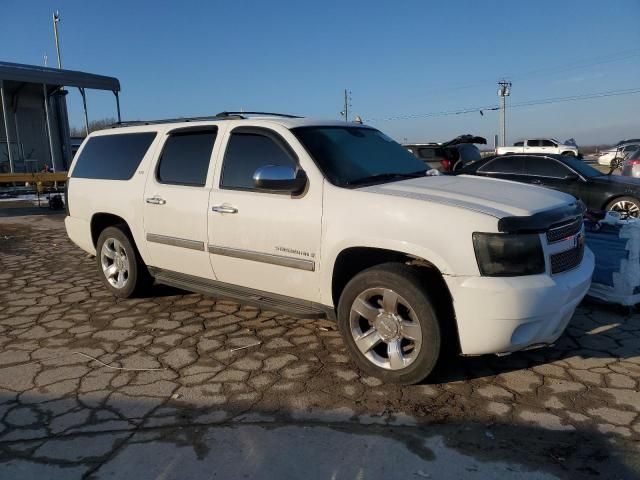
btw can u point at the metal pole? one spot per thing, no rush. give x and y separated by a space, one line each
346 106
15 124
84 105
503 122
48 120
5 116
115 92
56 19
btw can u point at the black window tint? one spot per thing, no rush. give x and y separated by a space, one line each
545 167
533 143
185 158
427 153
112 157
349 155
548 143
508 165
246 152
518 144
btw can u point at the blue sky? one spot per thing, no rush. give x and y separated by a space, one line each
397 58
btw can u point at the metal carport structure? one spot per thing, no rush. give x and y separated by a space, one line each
24 88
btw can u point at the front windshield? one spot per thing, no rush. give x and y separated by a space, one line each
581 167
351 155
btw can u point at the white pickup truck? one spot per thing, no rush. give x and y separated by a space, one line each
316 218
540 145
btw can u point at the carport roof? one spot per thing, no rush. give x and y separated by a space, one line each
17 72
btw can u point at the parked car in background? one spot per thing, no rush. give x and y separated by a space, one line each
631 164
540 145
317 219
619 151
75 145
597 190
451 155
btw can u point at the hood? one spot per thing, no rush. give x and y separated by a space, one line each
495 197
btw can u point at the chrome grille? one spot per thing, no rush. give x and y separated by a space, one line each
565 230
563 261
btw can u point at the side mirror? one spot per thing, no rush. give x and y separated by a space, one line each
276 178
571 177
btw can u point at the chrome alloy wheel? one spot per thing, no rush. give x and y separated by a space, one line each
385 328
115 263
626 209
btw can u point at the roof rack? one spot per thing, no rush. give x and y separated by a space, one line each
268 114
219 116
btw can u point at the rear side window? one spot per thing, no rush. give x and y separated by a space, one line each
533 143
113 157
185 158
246 152
546 167
508 165
427 153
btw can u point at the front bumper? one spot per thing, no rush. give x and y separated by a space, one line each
605 159
506 314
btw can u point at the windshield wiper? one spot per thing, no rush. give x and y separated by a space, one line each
382 177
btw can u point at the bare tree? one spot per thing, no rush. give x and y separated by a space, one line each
94 125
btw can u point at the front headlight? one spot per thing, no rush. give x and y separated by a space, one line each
508 255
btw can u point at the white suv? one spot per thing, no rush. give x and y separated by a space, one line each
331 219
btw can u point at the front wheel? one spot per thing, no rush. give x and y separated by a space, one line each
628 207
389 325
569 154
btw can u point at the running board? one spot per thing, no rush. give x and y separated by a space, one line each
248 296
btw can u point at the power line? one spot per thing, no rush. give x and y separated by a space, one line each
528 103
524 76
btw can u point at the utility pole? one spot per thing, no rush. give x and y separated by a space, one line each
347 104
56 19
504 90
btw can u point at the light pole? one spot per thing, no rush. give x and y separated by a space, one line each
347 104
56 19
504 90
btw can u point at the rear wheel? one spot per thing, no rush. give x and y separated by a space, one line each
626 206
389 325
119 264
569 154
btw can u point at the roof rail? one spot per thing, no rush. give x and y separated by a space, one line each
219 116
129 123
269 114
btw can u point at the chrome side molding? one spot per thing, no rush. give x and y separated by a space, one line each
281 260
175 242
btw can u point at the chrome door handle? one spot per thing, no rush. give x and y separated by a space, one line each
224 209
156 201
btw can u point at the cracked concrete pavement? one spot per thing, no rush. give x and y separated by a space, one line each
98 387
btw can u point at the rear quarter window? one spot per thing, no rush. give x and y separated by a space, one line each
112 157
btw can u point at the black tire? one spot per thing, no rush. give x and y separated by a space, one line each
569 154
633 204
137 276
406 282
